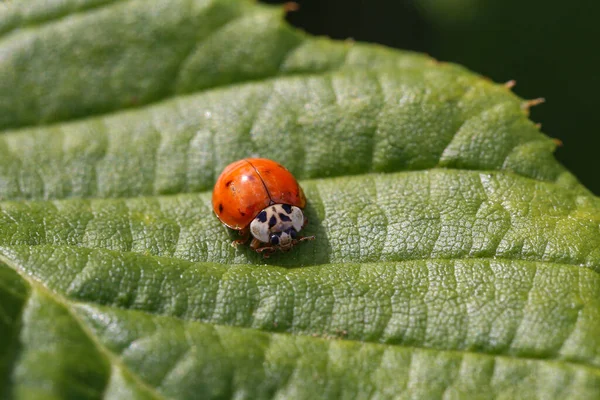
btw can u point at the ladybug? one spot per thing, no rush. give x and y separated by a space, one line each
261 197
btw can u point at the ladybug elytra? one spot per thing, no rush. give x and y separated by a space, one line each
260 197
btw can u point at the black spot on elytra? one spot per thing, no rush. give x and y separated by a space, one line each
284 217
243 214
287 208
262 217
272 221
220 208
228 183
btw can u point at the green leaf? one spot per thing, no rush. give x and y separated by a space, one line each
455 258
338 123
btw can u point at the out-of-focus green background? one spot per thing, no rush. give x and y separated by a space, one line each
550 47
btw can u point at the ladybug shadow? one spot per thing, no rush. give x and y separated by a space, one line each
304 254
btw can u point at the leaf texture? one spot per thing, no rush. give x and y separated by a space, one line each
455 258
343 123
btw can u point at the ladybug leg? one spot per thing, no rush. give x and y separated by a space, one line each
254 244
266 251
303 239
245 235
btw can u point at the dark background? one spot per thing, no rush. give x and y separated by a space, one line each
551 48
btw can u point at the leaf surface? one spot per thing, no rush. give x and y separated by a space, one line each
455 258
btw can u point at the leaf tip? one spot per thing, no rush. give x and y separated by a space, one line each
557 142
510 84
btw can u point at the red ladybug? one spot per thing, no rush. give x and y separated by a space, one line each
260 197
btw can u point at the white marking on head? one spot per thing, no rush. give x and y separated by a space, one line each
277 224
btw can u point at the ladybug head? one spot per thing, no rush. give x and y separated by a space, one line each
278 225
